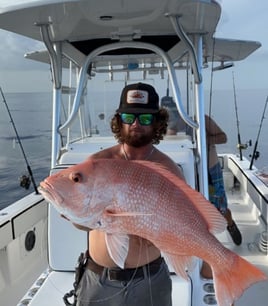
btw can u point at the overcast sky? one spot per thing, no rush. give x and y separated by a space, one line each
241 19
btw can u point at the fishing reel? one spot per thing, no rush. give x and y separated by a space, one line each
256 155
25 181
244 146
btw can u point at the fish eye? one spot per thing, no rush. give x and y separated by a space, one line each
76 177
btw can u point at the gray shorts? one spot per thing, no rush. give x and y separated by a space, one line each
145 290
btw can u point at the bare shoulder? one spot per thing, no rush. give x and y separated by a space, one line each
111 152
167 162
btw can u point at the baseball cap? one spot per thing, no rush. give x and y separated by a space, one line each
138 98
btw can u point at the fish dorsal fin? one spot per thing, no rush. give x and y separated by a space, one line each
215 221
117 245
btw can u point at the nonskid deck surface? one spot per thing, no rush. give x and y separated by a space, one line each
245 215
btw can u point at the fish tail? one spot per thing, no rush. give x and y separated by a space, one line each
231 282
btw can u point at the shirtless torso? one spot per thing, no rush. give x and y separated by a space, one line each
141 251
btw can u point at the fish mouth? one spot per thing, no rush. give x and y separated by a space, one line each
49 193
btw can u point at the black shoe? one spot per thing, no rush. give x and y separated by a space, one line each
235 233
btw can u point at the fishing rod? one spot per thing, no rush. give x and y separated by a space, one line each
255 153
240 146
24 180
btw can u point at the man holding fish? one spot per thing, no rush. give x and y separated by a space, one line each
138 124
134 202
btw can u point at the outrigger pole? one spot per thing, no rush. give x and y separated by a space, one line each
25 184
255 153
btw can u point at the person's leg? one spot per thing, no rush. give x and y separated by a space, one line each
97 290
232 228
144 290
217 197
151 289
206 271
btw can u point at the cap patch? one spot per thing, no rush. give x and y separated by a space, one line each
137 96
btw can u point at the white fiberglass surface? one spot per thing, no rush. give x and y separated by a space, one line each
8 5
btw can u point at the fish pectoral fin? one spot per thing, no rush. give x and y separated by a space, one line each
181 264
117 245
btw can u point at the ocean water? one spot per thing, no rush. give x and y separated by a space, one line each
31 113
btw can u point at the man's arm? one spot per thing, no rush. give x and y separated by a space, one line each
215 135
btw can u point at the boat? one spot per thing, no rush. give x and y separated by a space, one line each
94 48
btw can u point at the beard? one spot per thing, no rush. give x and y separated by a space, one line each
137 140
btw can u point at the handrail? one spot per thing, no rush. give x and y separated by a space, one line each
54 59
182 35
134 45
54 51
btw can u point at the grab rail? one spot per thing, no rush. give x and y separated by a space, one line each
134 45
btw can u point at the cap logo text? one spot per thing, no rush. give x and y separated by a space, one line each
137 96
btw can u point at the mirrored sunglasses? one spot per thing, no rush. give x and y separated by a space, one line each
144 119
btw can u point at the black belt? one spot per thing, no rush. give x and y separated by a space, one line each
125 274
